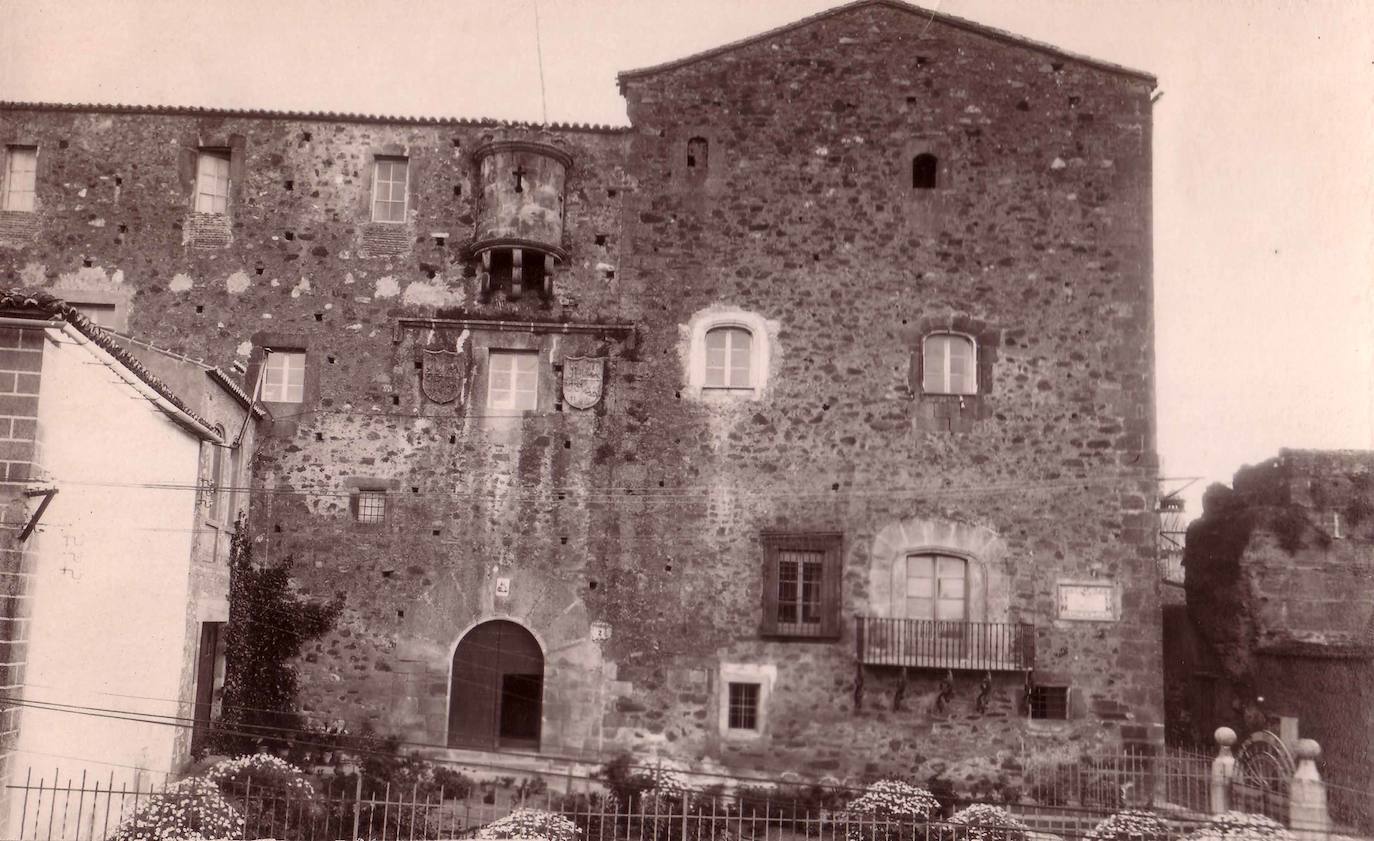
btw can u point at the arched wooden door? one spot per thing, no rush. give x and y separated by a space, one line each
496 695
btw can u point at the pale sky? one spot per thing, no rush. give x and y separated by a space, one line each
1264 147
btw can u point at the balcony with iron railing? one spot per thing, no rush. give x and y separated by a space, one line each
939 644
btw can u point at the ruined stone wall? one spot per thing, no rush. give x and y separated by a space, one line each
641 517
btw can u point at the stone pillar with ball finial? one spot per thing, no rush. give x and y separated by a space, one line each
1308 817
1223 770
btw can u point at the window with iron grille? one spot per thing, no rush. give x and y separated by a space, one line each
371 507
801 585
744 706
1049 702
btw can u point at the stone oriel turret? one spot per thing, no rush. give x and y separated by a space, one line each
519 234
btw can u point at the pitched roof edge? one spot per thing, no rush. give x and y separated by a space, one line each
950 20
315 116
43 303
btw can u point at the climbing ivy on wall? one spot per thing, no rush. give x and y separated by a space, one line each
268 625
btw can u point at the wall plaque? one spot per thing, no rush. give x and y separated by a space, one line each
503 587
1094 602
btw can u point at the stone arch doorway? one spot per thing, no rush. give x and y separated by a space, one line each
496 689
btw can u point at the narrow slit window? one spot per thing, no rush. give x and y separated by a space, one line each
744 706
950 365
21 169
513 380
924 168
698 154
212 181
729 358
389 179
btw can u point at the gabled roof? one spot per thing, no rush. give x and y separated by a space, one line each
42 306
923 14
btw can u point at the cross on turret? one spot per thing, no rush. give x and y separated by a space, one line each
519 172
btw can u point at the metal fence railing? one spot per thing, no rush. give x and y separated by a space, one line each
938 644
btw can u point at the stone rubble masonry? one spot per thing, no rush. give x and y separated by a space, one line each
645 511
21 365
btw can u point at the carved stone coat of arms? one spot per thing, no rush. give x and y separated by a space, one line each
441 375
582 380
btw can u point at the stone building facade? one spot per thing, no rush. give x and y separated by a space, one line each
1278 582
805 423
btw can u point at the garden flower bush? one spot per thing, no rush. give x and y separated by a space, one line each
261 769
533 824
980 822
190 810
888 810
1240 826
1130 825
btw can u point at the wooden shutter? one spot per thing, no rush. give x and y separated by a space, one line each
830 587
770 586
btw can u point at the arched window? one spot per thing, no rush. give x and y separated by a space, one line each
729 358
698 151
923 170
949 364
496 696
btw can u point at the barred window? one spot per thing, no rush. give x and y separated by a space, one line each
744 706
371 507
1049 702
801 585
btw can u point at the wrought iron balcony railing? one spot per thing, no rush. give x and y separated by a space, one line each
937 644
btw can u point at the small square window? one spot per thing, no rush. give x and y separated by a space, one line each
212 181
371 507
513 380
389 180
283 379
744 706
949 364
1049 702
21 169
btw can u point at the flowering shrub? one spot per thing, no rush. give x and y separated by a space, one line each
190 810
260 769
980 822
1240 826
532 823
888 807
1130 825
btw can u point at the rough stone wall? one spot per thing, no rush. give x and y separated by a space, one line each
645 511
1036 241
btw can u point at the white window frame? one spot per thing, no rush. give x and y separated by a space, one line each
212 187
765 675
290 387
935 596
505 378
971 387
760 355
730 379
16 200
391 183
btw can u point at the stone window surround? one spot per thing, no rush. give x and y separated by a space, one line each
986 340
225 154
286 413
368 168
235 145
706 179
761 359
911 150
765 675
988 592
355 485
482 343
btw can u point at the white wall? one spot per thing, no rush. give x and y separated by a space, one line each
110 593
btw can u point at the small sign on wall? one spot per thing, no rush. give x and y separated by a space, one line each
600 631
502 587
1087 601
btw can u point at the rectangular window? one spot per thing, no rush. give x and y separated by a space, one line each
744 706
21 168
935 587
801 584
389 177
212 181
283 379
728 358
950 365
1049 702
371 507
513 380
